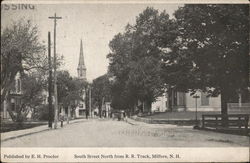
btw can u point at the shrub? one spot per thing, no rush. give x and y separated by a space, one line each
42 113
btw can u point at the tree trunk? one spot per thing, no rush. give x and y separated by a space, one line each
224 112
7 82
73 112
8 108
68 114
100 111
147 106
19 116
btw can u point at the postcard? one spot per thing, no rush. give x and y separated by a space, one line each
125 81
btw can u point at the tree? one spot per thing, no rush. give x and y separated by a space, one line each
119 67
135 58
20 51
69 90
63 84
32 96
101 91
212 48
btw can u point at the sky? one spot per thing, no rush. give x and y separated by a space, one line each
95 23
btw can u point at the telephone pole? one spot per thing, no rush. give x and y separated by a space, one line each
55 76
50 82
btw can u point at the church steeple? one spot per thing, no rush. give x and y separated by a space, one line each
81 69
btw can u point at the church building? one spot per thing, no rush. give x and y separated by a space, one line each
81 74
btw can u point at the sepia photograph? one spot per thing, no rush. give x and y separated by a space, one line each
125 81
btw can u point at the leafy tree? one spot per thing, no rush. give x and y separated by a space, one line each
42 112
32 96
101 91
211 51
20 51
69 90
136 57
119 67
63 83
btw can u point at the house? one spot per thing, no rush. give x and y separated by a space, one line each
106 109
15 95
161 104
182 101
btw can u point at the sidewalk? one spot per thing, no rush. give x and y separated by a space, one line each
20 133
173 121
134 122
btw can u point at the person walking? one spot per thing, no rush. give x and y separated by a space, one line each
61 118
125 116
87 113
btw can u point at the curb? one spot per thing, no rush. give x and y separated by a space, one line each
130 122
31 133
35 132
187 122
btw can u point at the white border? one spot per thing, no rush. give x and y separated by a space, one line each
126 1
228 154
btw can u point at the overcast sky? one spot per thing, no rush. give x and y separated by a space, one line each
96 24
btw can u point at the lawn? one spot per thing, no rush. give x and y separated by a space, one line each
7 126
188 115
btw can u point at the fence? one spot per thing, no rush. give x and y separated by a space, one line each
235 122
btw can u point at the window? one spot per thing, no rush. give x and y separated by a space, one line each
18 85
204 99
175 97
18 101
81 112
13 107
181 99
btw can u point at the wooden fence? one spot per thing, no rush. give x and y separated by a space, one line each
235 122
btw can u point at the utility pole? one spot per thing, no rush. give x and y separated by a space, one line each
55 76
50 82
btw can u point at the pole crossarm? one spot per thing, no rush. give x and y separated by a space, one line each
55 17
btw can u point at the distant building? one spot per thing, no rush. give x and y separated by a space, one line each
81 74
106 109
161 104
15 95
81 69
181 101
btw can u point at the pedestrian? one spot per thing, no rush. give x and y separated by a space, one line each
87 113
125 116
61 118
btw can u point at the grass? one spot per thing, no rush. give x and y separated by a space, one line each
220 140
7 126
178 115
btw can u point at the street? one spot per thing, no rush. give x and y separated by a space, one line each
113 133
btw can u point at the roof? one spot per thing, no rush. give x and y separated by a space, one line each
81 63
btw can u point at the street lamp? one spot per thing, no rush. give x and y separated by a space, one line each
196 118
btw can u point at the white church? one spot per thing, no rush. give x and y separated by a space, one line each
80 110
